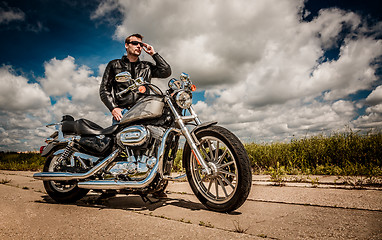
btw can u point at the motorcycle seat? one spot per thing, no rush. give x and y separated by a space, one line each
86 127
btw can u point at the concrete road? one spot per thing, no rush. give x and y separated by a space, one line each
270 212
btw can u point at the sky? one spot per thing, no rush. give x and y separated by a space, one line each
268 70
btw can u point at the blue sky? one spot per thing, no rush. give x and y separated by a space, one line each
267 70
55 29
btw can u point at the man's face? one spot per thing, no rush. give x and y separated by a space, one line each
134 49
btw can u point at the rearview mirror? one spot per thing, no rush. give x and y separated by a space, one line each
174 84
123 77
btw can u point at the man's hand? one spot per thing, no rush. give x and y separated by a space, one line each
149 49
117 114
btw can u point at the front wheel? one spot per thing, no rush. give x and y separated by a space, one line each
227 188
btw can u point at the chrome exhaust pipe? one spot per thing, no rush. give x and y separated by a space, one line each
116 184
64 176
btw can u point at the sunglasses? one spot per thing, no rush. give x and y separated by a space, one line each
136 43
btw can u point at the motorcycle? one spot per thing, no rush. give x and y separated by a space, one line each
136 156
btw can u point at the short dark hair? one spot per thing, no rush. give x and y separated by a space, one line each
137 35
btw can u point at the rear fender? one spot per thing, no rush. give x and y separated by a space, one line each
51 147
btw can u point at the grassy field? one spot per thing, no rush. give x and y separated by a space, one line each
21 161
344 154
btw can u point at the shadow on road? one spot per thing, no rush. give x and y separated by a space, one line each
132 203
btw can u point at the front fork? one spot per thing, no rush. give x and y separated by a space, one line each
180 120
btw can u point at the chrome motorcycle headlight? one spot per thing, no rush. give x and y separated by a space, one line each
183 99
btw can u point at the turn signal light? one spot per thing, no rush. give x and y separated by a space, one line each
193 88
142 89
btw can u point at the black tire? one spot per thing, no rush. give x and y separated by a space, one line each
69 193
232 176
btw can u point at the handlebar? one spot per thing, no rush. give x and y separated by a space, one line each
137 83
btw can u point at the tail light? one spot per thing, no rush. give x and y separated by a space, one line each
42 149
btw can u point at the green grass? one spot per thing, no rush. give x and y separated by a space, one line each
21 161
346 153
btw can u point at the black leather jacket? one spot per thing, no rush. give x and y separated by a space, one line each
109 87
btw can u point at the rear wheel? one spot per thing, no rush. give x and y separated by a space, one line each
227 188
61 191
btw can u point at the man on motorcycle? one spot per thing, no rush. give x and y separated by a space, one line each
131 63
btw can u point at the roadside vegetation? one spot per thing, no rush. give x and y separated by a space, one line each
21 161
342 154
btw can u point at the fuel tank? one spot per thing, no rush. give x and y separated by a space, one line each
147 108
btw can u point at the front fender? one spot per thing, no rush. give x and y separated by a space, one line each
203 125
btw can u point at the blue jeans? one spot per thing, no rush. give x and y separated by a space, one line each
124 110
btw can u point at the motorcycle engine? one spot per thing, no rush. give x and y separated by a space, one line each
140 143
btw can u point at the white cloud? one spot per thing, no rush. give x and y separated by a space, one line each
329 24
8 14
278 122
370 120
11 14
376 109
352 71
373 113
63 78
344 108
104 8
375 96
16 94
101 69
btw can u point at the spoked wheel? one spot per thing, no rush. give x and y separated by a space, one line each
61 191
227 188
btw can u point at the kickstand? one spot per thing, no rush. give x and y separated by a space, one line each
146 199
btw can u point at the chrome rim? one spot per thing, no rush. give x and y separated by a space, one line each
221 185
61 186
